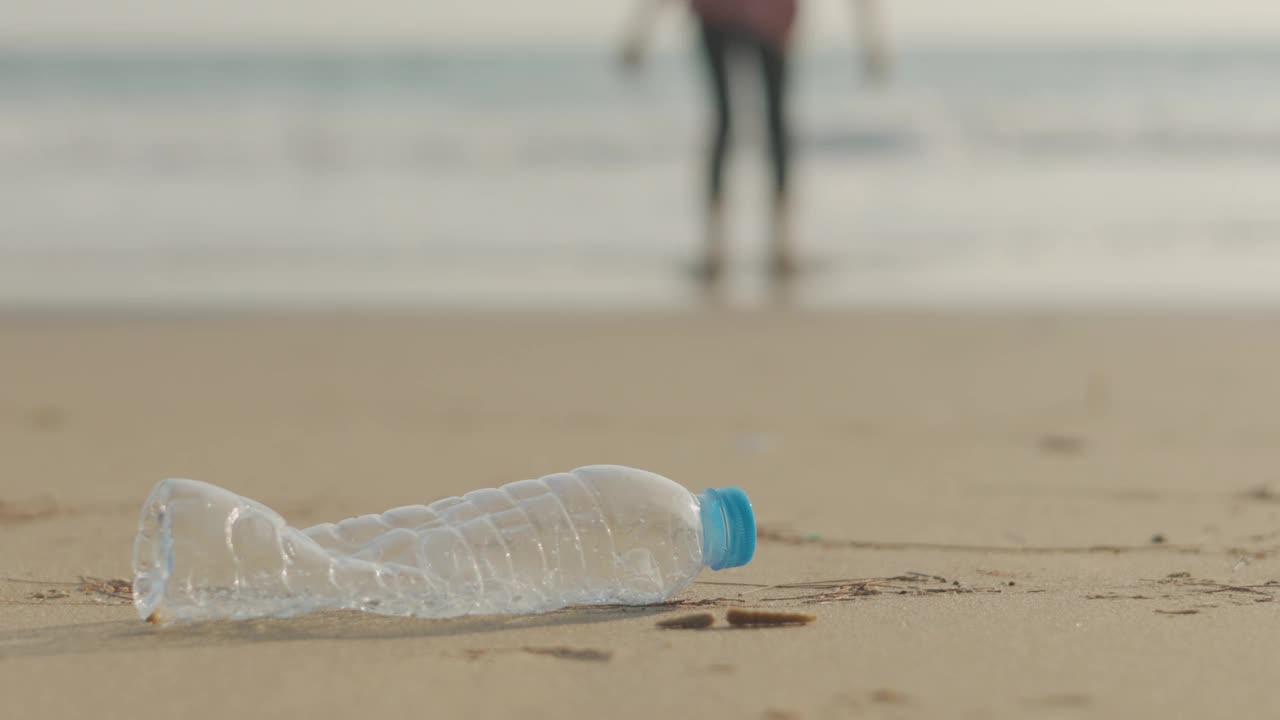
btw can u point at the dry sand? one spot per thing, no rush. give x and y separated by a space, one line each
1098 498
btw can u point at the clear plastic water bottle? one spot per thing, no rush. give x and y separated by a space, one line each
596 535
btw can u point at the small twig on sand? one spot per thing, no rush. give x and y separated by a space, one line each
739 617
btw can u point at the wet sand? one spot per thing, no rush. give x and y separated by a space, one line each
990 515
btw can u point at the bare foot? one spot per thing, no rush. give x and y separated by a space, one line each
710 269
783 266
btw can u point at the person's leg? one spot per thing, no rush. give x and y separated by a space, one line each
715 47
773 63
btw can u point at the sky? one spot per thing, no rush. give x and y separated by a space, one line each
535 22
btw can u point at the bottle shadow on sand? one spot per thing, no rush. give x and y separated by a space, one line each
134 635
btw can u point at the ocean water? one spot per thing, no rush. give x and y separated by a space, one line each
517 178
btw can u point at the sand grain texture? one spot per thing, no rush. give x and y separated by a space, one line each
966 503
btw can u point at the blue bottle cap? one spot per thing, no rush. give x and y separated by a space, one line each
728 528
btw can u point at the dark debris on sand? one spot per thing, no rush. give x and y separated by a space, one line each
90 590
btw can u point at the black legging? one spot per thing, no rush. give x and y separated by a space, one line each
719 43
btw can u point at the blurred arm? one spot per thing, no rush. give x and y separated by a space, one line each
871 42
635 43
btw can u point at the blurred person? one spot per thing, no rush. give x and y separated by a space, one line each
760 31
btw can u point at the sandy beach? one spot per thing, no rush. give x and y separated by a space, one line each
991 515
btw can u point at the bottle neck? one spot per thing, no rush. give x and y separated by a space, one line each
728 528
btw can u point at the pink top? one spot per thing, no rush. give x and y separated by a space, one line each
770 20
